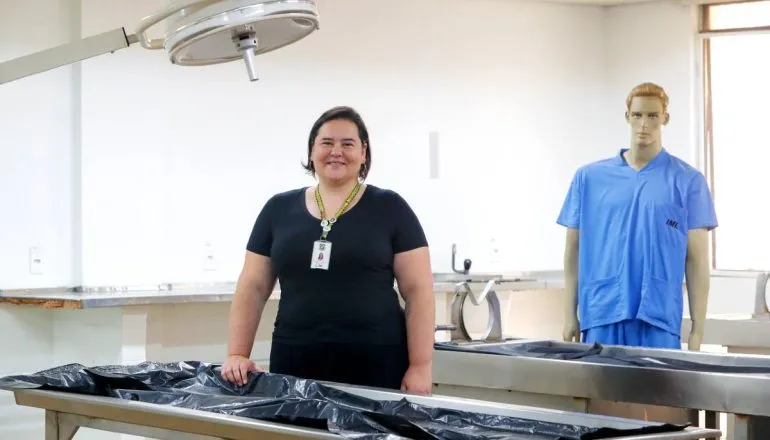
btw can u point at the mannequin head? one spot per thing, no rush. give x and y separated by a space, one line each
647 113
338 147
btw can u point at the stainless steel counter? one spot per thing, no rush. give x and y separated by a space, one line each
66 412
118 296
737 332
574 384
740 333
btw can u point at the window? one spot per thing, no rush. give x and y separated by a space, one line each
743 16
736 51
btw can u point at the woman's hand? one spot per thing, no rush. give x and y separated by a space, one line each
418 379
236 369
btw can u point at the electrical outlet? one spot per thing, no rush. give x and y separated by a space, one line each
209 257
36 260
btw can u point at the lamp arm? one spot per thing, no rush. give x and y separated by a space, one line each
282 22
65 54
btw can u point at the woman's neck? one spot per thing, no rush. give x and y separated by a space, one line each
336 189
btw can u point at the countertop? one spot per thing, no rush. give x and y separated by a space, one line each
75 298
735 331
119 296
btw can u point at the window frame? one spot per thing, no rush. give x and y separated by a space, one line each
704 35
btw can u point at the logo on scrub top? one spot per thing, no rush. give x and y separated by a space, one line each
673 223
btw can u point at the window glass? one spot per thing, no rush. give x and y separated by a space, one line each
737 15
740 106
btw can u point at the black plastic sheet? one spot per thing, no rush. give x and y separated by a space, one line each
598 354
299 402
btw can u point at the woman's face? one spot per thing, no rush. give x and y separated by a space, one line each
337 152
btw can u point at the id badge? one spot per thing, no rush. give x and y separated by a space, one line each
322 252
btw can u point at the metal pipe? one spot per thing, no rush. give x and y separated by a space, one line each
760 295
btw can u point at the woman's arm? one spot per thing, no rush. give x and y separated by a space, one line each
255 284
415 282
413 273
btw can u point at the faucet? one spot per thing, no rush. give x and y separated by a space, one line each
466 264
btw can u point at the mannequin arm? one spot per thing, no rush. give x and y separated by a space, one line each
571 250
698 279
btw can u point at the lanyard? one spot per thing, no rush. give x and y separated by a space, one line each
326 224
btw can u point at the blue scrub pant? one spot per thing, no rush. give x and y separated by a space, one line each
632 333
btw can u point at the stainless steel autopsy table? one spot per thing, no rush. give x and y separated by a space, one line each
635 376
66 412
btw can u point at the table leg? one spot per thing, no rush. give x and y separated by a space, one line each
58 429
712 420
750 428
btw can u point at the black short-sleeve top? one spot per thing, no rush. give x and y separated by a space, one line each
354 301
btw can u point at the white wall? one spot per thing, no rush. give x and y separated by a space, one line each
666 56
36 149
175 157
172 157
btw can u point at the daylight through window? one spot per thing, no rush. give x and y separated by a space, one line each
737 98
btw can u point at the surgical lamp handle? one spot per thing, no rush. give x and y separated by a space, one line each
151 20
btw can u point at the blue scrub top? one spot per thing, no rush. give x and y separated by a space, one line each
633 238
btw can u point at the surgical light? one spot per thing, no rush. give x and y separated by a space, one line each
199 32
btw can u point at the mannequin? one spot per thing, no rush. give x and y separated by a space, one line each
647 215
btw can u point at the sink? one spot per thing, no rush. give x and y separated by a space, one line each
451 277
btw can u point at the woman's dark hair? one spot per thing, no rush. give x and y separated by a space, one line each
347 114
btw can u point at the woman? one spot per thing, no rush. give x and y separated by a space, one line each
336 249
